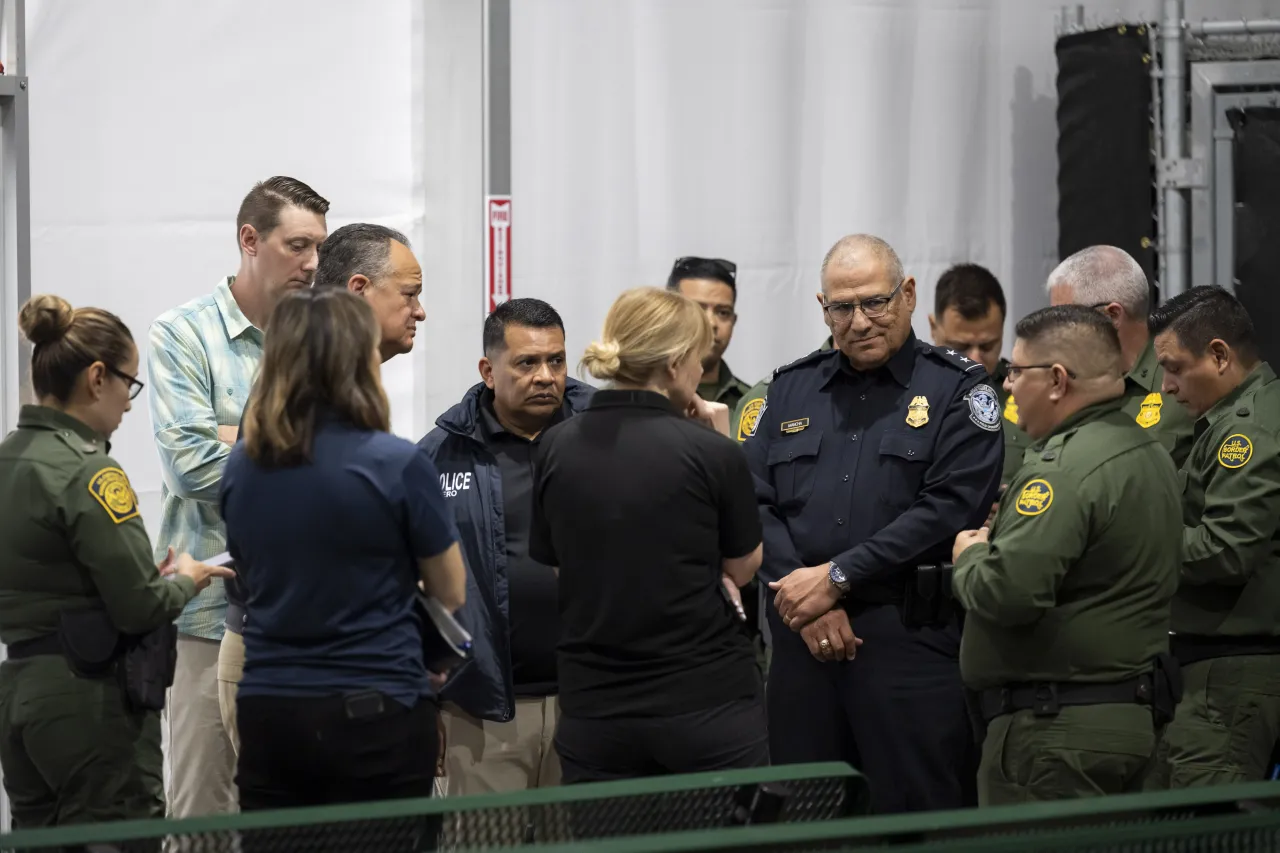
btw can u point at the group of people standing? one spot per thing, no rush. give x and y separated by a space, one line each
979 580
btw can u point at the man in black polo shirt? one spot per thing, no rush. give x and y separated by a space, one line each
500 712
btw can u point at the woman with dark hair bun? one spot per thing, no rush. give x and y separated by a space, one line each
78 589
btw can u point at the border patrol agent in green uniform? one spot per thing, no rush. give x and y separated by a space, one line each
713 284
1226 615
75 575
1109 280
1067 606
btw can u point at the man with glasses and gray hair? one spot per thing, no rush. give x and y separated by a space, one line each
1109 280
868 459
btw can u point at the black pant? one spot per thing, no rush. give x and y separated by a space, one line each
727 736
896 712
328 750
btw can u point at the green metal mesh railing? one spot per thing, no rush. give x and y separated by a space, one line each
1230 819
797 793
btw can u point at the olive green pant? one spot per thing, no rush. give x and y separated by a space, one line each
1226 726
70 752
1083 751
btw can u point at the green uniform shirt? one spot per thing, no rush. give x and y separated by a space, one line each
70 534
1016 441
727 388
747 413
1164 416
1231 512
1077 580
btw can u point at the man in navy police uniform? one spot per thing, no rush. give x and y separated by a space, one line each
868 459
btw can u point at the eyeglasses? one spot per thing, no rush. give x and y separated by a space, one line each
876 306
1015 370
135 387
685 264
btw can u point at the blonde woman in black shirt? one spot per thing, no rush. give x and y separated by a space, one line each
647 510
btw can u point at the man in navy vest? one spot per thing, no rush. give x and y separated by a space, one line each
499 714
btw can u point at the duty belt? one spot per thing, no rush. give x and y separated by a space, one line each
1189 649
1046 698
49 644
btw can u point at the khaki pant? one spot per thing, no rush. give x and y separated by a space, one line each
1226 725
1083 751
488 758
202 762
230 671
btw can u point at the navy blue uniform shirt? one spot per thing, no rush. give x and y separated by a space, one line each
876 470
327 556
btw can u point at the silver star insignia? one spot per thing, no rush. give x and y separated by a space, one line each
951 352
965 360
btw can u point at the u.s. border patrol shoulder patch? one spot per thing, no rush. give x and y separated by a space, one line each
1235 451
1035 498
750 419
110 487
984 407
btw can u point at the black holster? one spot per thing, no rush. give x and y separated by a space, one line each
927 600
147 667
1166 684
90 642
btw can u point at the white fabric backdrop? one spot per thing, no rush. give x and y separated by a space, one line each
763 130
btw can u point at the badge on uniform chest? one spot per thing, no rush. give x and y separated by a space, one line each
918 412
1149 413
794 426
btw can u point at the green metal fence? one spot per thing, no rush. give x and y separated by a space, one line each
1229 819
796 793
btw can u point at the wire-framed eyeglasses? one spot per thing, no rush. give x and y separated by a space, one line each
874 307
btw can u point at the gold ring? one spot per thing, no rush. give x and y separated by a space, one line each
824 644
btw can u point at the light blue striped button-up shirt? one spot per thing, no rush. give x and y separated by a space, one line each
203 359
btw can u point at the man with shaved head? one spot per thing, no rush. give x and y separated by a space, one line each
869 458
1109 280
1068 595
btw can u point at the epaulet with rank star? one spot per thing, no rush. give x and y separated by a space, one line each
816 355
952 357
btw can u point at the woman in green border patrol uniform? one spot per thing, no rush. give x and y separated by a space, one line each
72 542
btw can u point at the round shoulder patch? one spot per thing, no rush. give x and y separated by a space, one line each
110 488
750 418
1035 498
1235 451
984 407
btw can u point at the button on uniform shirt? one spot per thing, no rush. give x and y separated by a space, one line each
330 571
1164 416
532 588
1231 512
1077 580
877 470
70 534
201 363
638 506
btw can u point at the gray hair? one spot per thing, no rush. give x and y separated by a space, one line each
357 249
1104 274
854 246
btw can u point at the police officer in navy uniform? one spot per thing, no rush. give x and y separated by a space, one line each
868 459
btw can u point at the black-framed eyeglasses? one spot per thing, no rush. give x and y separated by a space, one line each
876 306
135 386
1013 371
688 263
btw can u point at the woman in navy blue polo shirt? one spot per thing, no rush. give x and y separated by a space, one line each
647 512
333 522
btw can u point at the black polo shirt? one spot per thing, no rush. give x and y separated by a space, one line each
532 599
638 506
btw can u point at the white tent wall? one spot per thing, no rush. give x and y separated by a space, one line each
763 130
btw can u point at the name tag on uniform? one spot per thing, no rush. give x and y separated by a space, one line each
797 425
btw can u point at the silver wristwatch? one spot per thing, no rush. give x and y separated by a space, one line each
836 575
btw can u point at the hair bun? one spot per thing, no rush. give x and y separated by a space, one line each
45 318
603 359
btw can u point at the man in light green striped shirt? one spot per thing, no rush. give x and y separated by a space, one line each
201 364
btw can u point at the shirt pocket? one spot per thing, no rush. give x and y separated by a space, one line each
793 467
903 462
228 404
